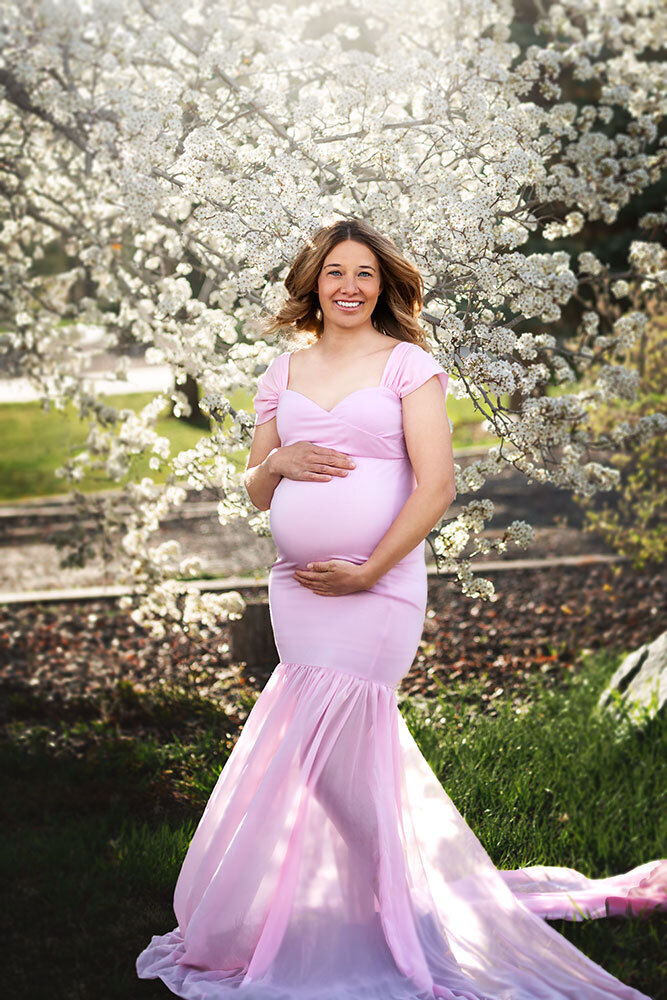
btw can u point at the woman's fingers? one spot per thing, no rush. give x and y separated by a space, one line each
333 459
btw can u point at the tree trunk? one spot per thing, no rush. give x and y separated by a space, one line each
191 390
251 642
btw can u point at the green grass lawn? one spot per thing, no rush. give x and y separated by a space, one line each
35 443
101 805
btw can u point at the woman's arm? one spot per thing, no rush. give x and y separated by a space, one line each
260 478
429 444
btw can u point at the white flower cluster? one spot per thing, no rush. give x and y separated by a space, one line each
526 346
454 536
649 426
544 419
208 610
614 380
589 264
620 289
497 373
475 586
451 334
572 224
520 533
594 477
498 339
216 404
628 329
653 220
541 285
650 259
641 430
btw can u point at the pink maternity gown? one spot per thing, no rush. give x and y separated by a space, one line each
329 862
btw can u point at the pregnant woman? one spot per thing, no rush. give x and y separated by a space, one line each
329 863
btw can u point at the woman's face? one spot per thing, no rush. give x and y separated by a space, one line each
350 274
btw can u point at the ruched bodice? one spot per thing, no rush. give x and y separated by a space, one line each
368 423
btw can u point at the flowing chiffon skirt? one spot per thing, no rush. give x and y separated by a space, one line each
330 864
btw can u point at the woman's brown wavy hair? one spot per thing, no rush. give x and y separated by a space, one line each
399 303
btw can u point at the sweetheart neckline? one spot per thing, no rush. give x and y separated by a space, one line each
364 388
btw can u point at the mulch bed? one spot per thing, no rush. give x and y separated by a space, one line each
64 660
538 620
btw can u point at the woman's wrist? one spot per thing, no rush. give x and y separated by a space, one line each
368 575
270 460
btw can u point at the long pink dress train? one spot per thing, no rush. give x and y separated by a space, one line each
329 862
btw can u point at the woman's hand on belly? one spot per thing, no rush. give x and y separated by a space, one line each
305 461
334 577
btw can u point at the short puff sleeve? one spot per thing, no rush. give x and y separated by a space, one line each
417 366
269 386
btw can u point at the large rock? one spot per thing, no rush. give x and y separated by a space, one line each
641 677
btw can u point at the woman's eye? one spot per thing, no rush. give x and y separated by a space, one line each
360 273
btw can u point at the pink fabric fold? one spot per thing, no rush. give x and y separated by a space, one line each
564 893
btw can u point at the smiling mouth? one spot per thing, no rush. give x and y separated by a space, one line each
348 306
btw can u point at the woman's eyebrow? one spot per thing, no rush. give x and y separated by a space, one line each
366 267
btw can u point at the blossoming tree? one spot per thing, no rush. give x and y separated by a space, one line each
181 151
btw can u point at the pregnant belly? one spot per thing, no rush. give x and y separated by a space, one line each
340 518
